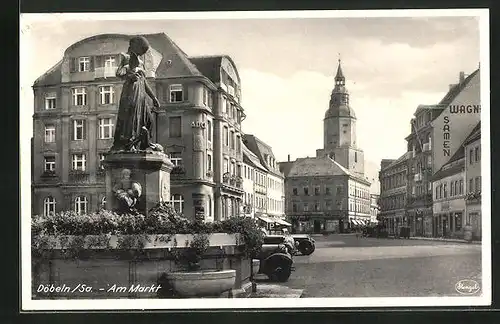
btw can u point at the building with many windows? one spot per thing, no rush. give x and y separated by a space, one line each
436 132
472 150
374 208
393 184
198 124
330 192
254 180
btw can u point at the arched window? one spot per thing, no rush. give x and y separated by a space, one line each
178 203
49 206
81 204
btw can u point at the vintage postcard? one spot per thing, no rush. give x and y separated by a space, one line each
273 159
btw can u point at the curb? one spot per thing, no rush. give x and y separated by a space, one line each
443 240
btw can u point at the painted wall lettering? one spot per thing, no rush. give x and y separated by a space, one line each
465 109
446 136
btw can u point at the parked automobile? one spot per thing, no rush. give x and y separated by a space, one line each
286 240
275 259
304 243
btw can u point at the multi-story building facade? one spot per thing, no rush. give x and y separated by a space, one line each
254 175
393 185
473 188
329 192
449 203
436 132
374 208
273 178
198 123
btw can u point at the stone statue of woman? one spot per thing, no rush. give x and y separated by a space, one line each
127 192
134 120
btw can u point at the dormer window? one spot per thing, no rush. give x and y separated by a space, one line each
176 93
83 64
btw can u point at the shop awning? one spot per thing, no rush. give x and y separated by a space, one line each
265 219
282 222
355 222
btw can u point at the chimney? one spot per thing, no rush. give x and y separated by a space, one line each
461 77
288 157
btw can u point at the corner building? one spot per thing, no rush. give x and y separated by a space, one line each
329 192
198 124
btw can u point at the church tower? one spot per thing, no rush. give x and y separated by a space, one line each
340 129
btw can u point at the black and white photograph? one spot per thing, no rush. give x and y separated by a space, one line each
285 159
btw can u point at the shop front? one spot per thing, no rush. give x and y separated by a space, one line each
449 218
473 218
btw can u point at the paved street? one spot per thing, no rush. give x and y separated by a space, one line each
345 266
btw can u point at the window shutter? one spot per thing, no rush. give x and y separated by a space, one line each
91 63
84 132
72 129
72 64
99 61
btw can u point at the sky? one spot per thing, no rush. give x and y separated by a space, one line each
287 68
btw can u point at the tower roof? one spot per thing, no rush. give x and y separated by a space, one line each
340 74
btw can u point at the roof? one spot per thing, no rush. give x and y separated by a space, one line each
251 159
209 66
262 150
339 75
179 65
317 166
285 167
456 89
475 134
446 171
397 161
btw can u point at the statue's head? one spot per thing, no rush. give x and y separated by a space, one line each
139 45
126 174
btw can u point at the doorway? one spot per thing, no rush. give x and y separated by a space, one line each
445 224
317 226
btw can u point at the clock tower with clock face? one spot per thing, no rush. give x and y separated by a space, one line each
340 129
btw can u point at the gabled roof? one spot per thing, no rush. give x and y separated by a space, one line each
179 65
446 170
209 66
317 166
52 77
262 150
456 89
475 134
252 159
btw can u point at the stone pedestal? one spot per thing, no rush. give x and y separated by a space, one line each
151 170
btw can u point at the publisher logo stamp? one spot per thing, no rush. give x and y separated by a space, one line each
467 287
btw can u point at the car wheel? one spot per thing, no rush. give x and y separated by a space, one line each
281 274
307 249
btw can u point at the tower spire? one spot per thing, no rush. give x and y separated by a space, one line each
339 78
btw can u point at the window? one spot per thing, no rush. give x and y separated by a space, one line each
437 192
50 134
102 157
209 206
226 165
105 128
209 162
478 183
458 221
316 191
316 206
445 191
328 205
355 157
209 130
176 93
238 170
471 185
174 127
340 189
79 162
461 187
452 187
294 207
79 96
306 191
206 97
327 191
83 64
232 140
476 154
50 163
79 129
176 158
226 136
457 188
178 203
49 206
238 144
50 102
233 169
306 207
109 62
107 94
471 152
295 191
81 204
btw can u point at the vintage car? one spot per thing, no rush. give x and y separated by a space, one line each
304 243
275 259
